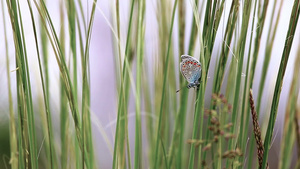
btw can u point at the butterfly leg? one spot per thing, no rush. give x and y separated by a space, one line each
196 85
190 85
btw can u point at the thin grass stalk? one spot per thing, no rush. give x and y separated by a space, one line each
64 117
85 102
117 45
21 131
149 109
270 41
179 117
82 15
23 81
210 28
230 86
30 118
162 17
245 122
181 25
62 65
52 152
184 97
64 72
170 99
138 125
22 139
86 121
193 34
164 86
182 118
121 101
261 15
240 55
164 154
287 142
30 113
199 106
44 50
297 129
245 94
211 31
259 30
12 125
213 28
285 56
220 72
207 19
240 58
122 108
177 144
71 12
210 13
216 23
219 77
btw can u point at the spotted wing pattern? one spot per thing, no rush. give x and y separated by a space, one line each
190 68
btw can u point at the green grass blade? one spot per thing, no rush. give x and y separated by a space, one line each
122 105
64 117
138 124
199 106
164 86
284 59
23 84
12 126
240 58
244 124
288 137
52 155
86 116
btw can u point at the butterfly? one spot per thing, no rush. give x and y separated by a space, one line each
190 68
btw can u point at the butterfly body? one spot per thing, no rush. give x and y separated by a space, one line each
190 68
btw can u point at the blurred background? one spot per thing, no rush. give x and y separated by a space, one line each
105 72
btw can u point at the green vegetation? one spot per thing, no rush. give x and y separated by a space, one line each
195 128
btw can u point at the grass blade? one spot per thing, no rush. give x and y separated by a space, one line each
164 86
280 75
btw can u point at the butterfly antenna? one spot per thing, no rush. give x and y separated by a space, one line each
178 90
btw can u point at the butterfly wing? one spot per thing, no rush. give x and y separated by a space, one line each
190 68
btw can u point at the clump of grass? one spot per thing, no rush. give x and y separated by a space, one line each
215 142
221 134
